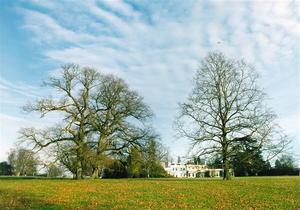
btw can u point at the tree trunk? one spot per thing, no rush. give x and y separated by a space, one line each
78 174
226 168
95 174
98 161
225 156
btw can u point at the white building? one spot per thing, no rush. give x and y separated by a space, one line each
192 171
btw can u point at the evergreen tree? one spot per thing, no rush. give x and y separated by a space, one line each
152 160
5 169
285 162
134 163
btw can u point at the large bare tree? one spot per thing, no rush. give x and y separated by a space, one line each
98 116
73 93
227 108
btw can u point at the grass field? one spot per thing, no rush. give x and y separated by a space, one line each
239 193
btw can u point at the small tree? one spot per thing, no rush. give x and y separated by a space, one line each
225 108
23 162
178 160
153 156
285 162
54 170
135 162
5 169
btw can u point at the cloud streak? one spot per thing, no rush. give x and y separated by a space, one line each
157 47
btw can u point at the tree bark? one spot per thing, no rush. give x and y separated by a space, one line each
95 174
226 168
96 169
78 174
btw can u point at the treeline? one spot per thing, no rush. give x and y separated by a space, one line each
255 165
140 162
20 162
285 165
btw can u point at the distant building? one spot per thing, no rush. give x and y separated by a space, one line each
192 171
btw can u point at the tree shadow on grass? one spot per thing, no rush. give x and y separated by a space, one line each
178 179
32 177
10 199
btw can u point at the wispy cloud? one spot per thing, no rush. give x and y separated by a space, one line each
157 47
20 88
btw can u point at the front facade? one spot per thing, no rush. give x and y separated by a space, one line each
192 171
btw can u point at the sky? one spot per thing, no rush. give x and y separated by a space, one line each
155 46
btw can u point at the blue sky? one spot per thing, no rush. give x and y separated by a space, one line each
156 46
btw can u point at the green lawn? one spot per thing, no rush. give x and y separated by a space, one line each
239 193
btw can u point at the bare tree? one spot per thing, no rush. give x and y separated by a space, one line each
23 162
99 117
225 108
74 87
